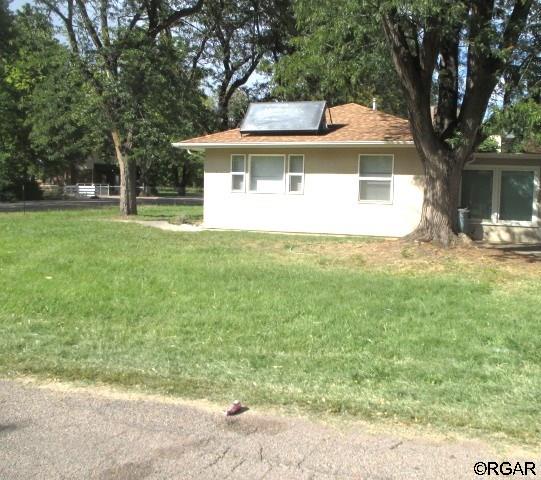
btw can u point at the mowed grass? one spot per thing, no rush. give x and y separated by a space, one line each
225 315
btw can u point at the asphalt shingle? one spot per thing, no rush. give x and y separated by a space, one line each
349 123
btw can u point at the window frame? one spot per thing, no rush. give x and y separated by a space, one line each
236 173
492 199
496 194
295 174
249 173
378 179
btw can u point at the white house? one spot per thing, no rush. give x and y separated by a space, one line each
299 167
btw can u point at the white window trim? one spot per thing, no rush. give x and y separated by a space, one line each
386 179
249 179
243 190
496 195
294 174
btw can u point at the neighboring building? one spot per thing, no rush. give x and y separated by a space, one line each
299 167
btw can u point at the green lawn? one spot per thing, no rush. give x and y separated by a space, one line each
269 319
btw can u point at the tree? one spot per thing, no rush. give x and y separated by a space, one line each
107 39
520 121
6 21
522 78
451 54
64 121
425 39
516 113
31 55
167 104
340 55
233 37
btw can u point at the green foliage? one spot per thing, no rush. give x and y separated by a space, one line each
162 104
232 39
5 27
339 55
17 162
522 121
238 105
45 126
488 145
64 120
131 83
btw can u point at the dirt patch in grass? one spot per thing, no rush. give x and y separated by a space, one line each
402 257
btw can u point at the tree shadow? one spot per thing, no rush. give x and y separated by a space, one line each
527 253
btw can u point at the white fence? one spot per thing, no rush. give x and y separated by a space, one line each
86 190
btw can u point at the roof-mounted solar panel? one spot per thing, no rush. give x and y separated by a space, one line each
277 117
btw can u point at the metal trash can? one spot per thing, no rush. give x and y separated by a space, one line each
464 220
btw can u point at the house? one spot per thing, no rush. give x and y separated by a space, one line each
302 167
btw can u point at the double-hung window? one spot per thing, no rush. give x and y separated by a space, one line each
267 173
295 174
238 175
505 195
376 178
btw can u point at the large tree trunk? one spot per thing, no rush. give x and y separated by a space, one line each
439 213
128 177
184 178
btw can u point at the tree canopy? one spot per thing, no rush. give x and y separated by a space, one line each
339 54
441 62
122 79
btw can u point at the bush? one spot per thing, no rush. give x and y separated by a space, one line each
12 192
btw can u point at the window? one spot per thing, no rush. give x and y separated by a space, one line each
295 175
504 195
267 173
516 195
238 168
375 178
477 193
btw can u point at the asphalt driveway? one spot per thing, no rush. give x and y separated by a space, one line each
50 432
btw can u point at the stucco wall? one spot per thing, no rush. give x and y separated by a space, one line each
330 200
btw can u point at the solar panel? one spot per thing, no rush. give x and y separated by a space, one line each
305 117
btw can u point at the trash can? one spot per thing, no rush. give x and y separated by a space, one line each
464 220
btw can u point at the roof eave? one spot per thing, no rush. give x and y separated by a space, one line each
201 146
512 156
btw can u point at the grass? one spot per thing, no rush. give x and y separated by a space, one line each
171 192
311 322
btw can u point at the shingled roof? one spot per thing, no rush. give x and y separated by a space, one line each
348 124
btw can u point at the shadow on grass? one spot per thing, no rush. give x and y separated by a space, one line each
530 253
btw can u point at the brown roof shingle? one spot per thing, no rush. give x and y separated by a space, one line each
350 123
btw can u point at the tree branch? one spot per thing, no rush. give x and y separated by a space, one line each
67 20
446 113
412 79
175 18
484 69
104 24
89 26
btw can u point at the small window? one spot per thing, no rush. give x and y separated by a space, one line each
295 175
375 178
517 195
267 173
238 168
477 193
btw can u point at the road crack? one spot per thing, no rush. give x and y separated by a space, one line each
219 458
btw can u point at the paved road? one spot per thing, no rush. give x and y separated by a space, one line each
50 433
96 203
